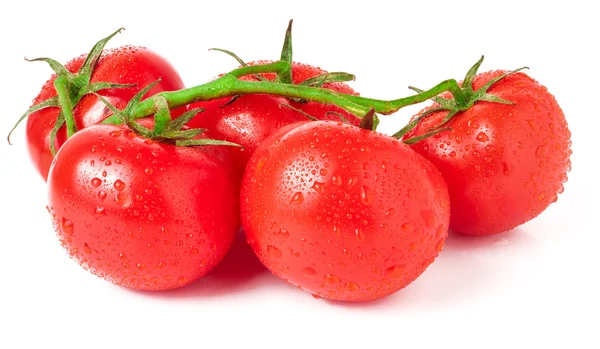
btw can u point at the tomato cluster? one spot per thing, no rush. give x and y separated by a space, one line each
327 203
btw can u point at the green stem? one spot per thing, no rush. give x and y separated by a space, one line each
389 107
230 85
61 84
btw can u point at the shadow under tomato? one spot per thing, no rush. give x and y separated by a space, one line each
462 270
234 274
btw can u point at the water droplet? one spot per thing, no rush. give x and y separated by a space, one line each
119 185
429 218
122 256
140 266
96 182
452 154
352 286
323 172
440 245
318 187
161 265
94 148
282 233
104 174
390 213
362 258
365 196
297 199
86 248
194 252
542 196
336 231
308 271
148 170
441 232
347 252
407 227
541 151
375 254
360 237
336 180
122 199
482 137
332 279
67 226
108 163
294 253
274 251
351 182
102 194
100 211
395 272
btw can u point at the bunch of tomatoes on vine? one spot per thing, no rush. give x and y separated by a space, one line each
149 181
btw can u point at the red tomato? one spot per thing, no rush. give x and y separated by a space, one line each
251 118
142 214
342 212
123 65
504 164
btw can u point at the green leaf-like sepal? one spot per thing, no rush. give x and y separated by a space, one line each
460 101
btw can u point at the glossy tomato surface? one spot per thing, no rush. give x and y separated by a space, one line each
142 214
344 213
123 65
504 164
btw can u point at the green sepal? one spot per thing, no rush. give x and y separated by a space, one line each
71 88
60 121
460 101
98 86
57 67
370 121
286 56
305 114
342 118
239 60
416 139
50 102
325 78
206 141
178 123
84 75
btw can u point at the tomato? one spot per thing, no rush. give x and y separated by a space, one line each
123 65
249 119
504 164
142 214
342 212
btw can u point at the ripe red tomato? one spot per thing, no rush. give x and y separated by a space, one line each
251 118
123 65
342 212
504 164
142 214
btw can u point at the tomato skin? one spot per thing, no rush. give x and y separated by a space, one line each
141 214
249 119
344 213
504 164
123 65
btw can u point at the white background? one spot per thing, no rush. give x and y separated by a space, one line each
536 285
